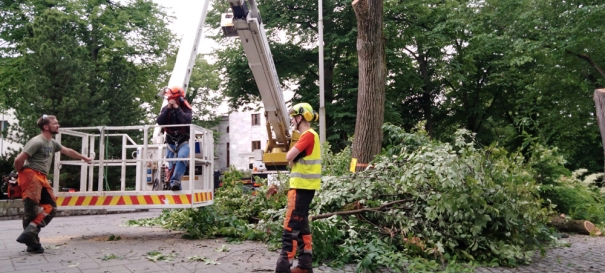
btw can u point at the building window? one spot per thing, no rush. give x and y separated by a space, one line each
227 129
255 145
4 125
228 156
255 119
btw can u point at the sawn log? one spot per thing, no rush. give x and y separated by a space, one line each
577 226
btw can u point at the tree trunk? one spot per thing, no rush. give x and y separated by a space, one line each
426 100
599 100
367 141
577 226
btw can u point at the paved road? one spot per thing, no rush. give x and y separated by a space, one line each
80 244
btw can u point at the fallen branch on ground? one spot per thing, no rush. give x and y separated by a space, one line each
358 211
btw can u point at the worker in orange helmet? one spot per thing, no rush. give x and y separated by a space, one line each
177 111
305 178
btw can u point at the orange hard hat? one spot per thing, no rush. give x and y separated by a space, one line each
174 92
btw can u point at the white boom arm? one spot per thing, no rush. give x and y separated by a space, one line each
185 58
246 23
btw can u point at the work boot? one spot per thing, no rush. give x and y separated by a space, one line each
175 186
35 249
300 270
283 265
28 236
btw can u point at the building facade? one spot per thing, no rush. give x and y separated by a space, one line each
243 136
7 120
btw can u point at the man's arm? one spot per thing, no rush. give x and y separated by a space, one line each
73 154
183 115
300 149
291 155
162 118
20 161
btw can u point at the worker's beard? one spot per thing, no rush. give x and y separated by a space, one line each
54 132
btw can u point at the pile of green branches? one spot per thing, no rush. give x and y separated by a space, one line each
423 205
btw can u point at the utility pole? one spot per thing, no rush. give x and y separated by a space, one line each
322 107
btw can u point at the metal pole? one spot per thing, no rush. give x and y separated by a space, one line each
2 140
322 107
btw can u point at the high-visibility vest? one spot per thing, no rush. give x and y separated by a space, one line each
306 173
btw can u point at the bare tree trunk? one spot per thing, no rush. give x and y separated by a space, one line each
599 100
372 79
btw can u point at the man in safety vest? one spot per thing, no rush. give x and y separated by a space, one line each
178 111
305 178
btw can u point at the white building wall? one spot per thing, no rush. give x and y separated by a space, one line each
238 140
220 151
7 118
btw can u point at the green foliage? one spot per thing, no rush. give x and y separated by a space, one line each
458 202
296 60
579 199
433 207
90 63
159 256
203 259
517 72
111 256
335 164
234 210
114 238
548 164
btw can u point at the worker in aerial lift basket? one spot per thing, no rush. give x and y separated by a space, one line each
32 165
178 111
305 178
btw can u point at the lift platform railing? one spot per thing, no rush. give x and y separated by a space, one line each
143 186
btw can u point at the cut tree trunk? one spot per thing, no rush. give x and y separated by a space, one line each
577 226
367 141
599 101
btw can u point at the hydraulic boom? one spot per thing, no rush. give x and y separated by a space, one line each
245 22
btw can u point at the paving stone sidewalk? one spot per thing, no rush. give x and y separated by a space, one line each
81 244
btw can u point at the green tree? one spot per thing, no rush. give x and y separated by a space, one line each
517 72
205 95
88 62
513 80
296 60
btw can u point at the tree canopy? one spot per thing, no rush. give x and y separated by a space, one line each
516 72
90 63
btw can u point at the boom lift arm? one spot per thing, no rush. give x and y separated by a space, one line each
245 22
185 60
